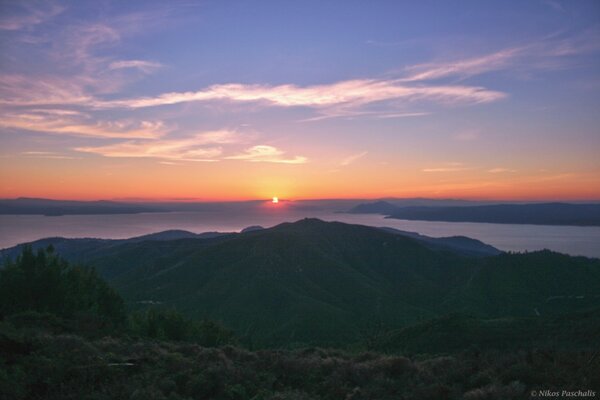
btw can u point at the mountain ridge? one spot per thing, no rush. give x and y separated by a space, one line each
323 283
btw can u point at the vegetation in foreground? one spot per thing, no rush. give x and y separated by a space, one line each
67 366
65 334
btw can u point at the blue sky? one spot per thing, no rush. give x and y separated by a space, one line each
302 99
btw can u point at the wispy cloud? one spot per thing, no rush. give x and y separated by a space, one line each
22 90
144 66
183 150
555 5
500 170
69 122
547 53
352 93
264 153
201 147
82 69
49 155
465 67
351 112
443 169
448 167
354 157
26 14
37 153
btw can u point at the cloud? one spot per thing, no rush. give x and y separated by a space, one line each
555 5
184 150
48 154
264 153
37 153
443 169
27 14
56 157
144 66
354 112
69 122
350 159
548 53
500 170
22 90
467 67
84 71
203 147
352 93
449 167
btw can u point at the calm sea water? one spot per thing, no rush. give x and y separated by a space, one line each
15 229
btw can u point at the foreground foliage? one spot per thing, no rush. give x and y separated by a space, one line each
44 282
64 334
50 366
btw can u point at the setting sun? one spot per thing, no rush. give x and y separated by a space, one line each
275 200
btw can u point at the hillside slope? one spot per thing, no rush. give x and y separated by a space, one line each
329 283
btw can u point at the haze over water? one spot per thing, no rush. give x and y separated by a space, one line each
15 229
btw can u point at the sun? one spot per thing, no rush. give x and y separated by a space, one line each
275 200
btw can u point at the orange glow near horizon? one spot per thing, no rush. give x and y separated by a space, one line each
147 180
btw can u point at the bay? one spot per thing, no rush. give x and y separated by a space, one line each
16 229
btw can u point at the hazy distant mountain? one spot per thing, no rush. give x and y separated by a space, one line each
539 214
388 206
33 206
252 228
327 283
378 207
25 205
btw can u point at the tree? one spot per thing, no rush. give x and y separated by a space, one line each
44 282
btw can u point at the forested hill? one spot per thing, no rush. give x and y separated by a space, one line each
327 283
384 304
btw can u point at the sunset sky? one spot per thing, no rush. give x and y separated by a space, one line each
234 100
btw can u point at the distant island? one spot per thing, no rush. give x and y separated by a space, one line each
535 214
33 206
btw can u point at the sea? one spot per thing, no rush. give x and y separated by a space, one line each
16 229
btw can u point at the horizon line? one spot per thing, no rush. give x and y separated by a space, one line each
250 200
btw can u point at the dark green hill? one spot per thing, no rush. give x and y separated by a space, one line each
457 332
309 281
330 283
533 319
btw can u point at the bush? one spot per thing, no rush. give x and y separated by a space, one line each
171 325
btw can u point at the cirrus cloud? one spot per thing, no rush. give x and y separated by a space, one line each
203 147
350 93
74 123
265 153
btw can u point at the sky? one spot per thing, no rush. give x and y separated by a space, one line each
237 100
